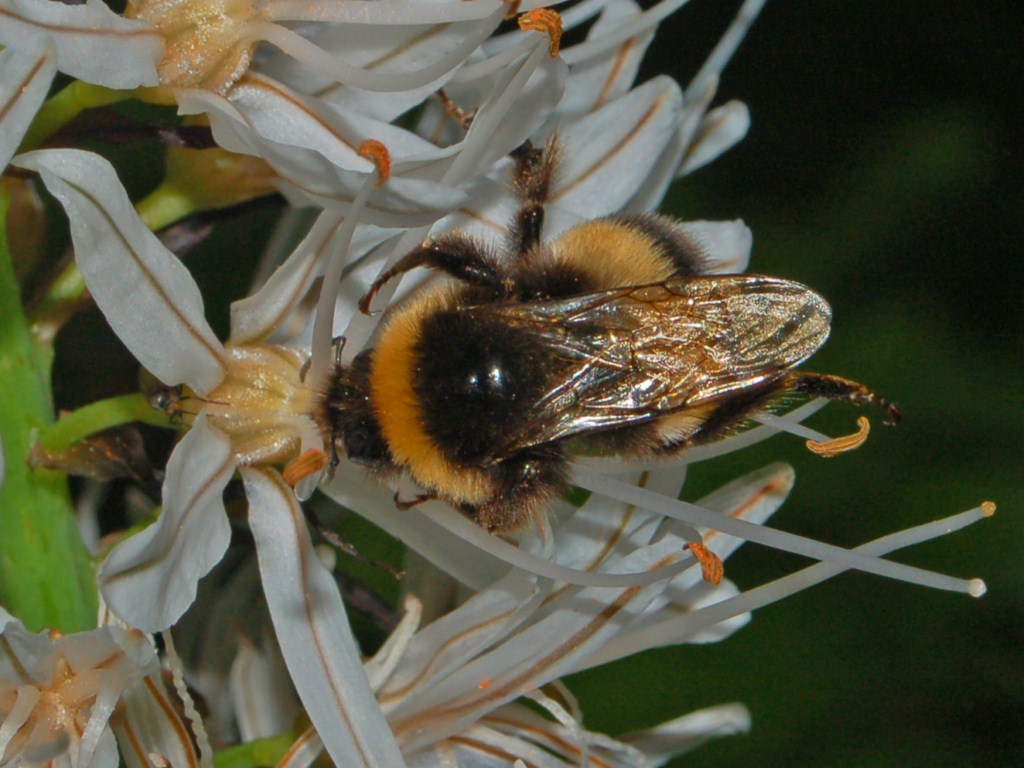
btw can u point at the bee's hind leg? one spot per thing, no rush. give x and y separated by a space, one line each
837 388
531 179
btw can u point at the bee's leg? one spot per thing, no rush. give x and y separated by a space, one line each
716 421
454 254
521 486
534 170
455 112
836 388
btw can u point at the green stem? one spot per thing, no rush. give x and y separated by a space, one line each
98 416
254 753
46 575
165 205
64 106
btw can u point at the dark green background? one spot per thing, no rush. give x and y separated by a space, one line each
883 168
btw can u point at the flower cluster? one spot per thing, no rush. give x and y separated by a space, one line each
385 122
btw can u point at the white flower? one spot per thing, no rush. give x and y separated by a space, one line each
452 692
150 579
57 693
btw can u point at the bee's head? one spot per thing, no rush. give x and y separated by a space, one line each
345 414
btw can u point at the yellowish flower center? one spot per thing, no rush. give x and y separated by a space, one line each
262 404
207 41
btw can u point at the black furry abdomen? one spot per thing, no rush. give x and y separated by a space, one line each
476 380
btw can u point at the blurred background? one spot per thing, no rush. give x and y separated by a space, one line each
884 168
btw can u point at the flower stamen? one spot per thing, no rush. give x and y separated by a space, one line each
378 154
711 567
309 462
830 448
547 21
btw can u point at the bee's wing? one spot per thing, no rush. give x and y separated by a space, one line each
629 355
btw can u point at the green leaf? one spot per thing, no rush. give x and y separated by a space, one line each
46 576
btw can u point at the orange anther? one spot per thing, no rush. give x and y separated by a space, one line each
513 8
830 448
544 20
378 154
305 465
988 508
711 567
483 685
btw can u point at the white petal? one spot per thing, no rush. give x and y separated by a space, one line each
453 640
725 245
463 561
265 703
150 579
555 646
383 663
482 747
603 529
258 316
151 725
25 78
720 130
596 81
383 11
519 103
147 295
610 153
314 149
379 48
92 42
567 740
677 736
313 630
755 497
665 170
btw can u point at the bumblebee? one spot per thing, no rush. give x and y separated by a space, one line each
609 340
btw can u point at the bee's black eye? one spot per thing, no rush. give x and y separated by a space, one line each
355 443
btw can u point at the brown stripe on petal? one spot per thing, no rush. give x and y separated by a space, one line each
750 502
541 736
22 87
514 687
620 62
158 288
387 696
171 715
620 146
298 521
228 466
390 55
606 550
15 662
83 30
